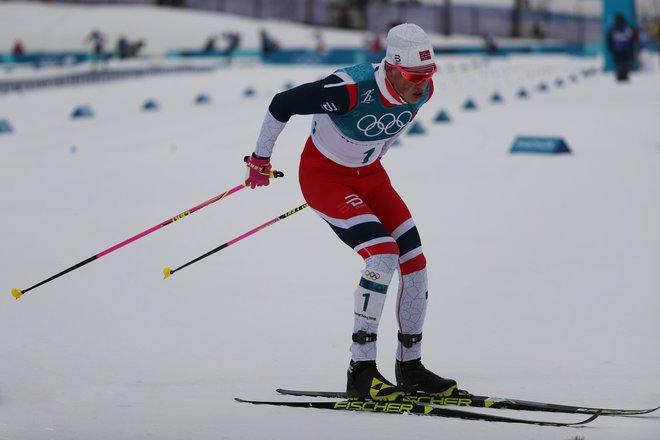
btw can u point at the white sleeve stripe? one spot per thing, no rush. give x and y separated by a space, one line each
327 86
345 80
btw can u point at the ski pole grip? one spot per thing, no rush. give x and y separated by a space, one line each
273 174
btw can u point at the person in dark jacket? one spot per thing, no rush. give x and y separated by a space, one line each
621 40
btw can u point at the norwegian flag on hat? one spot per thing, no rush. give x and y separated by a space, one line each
409 46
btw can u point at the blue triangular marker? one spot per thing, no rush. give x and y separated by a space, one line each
150 105
82 111
416 128
469 105
442 116
5 127
202 98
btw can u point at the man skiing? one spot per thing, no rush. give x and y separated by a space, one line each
359 112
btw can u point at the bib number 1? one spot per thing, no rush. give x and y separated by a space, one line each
367 154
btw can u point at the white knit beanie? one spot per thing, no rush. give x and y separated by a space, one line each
409 46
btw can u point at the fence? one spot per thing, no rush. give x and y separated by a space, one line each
304 11
379 16
481 20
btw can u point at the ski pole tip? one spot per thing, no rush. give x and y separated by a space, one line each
16 293
167 272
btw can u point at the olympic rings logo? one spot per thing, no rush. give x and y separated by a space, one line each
371 274
388 123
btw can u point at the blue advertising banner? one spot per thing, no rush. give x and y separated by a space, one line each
538 144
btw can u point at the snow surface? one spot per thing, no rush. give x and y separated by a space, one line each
543 270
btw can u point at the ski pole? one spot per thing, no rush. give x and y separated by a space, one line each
167 271
17 293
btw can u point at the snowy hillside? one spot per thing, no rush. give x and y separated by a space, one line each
44 27
543 269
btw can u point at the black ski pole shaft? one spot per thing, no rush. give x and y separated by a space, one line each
168 271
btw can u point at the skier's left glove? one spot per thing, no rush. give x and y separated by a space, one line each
259 171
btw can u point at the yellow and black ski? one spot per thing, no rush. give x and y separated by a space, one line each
406 407
464 399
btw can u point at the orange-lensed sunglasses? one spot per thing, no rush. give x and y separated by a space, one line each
415 77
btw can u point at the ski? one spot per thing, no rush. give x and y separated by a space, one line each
405 407
468 400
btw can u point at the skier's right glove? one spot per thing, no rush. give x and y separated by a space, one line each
258 171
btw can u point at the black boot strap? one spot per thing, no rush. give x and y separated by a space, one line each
363 337
409 340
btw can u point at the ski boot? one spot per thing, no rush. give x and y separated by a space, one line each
365 382
413 378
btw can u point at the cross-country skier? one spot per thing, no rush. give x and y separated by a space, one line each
358 113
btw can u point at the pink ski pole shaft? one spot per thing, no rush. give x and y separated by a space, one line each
167 271
17 293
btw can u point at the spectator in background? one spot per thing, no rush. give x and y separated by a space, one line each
373 43
122 48
209 46
621 41
126 49
18 48
373 47
537 31
98 46
268 44
319 47
490 45
233 41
